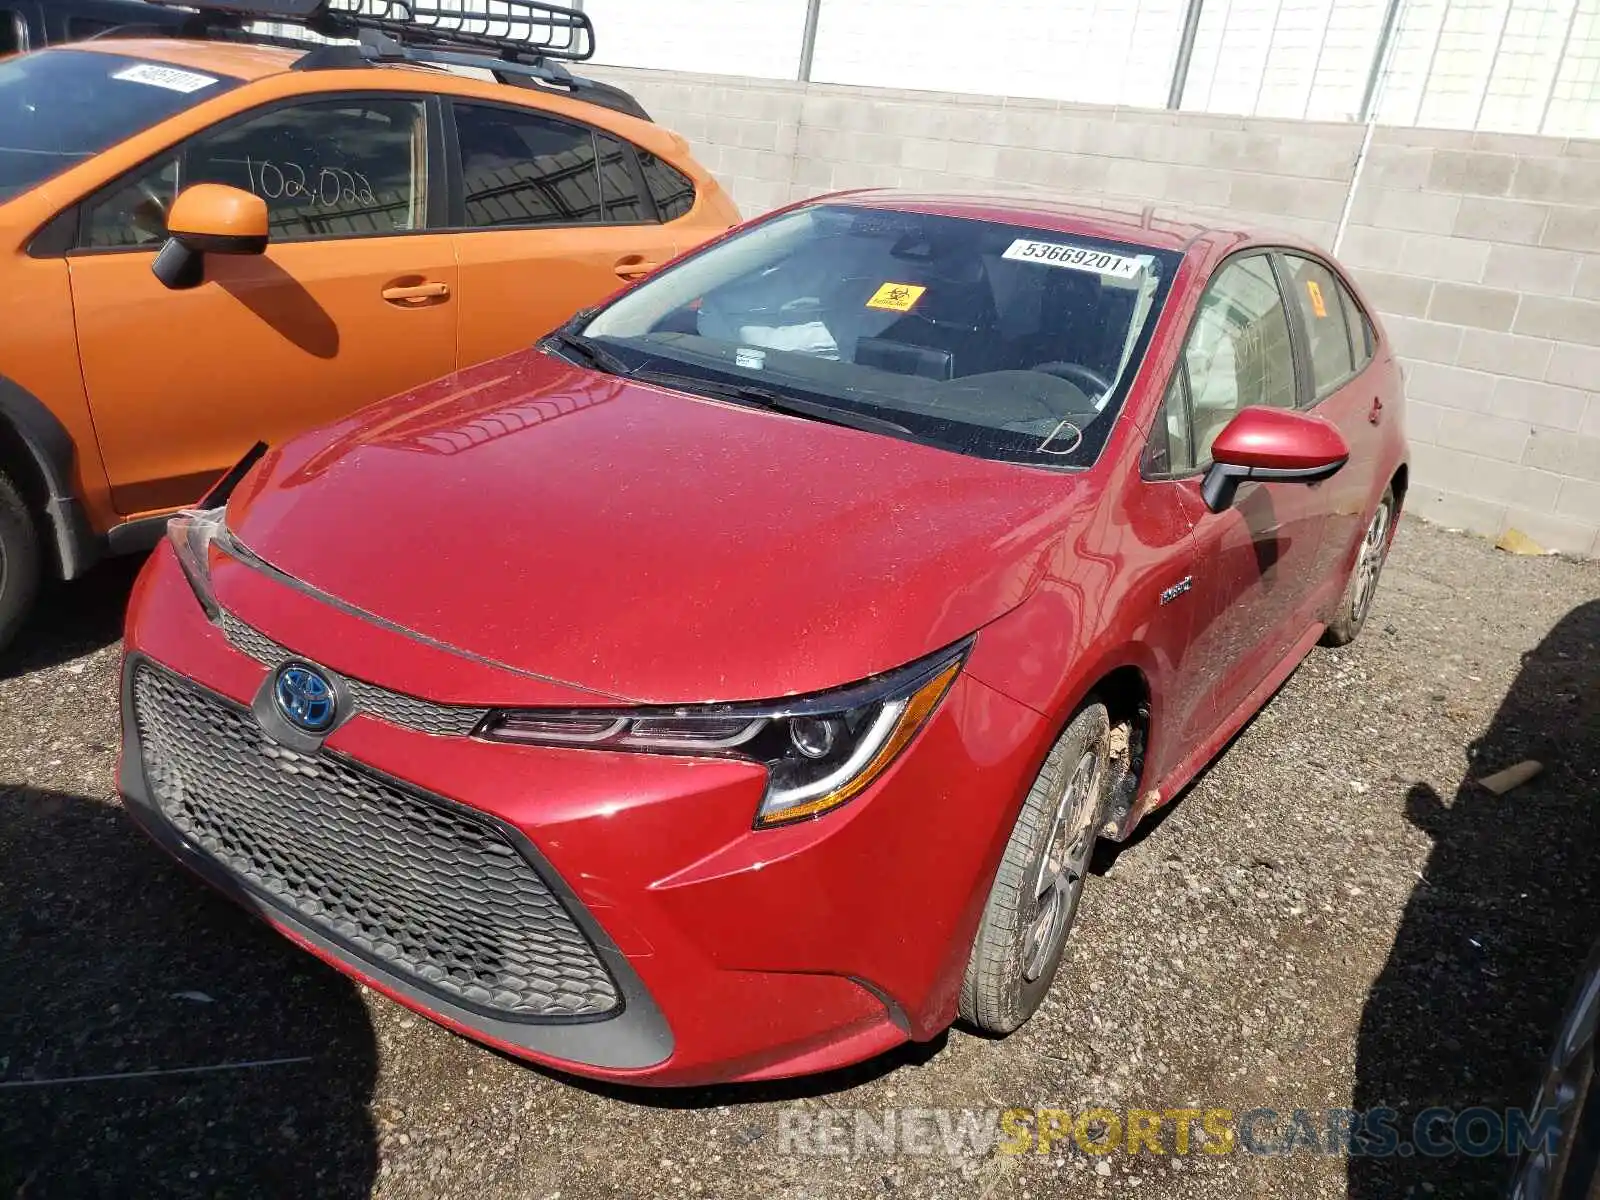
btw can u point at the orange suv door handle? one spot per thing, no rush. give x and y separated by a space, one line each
634 266
416 291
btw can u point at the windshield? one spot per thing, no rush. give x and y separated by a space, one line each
59 107
991 339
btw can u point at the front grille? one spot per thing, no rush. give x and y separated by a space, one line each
394 707
437 897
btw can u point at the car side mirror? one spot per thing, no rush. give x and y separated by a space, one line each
1271 444
209 218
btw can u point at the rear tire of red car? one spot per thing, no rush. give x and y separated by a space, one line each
1356 602
19 561
1034 900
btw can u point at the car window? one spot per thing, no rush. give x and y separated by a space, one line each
670 188
1322 312
996 339
81 28
1360 328
13 33
133 211
61 106
330 168
522 168
619 185
1170 449
1238 353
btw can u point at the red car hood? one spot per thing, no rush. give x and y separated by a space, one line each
644 544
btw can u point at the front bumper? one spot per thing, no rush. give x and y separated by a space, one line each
736 954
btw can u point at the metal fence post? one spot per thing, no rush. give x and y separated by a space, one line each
1180 68
808 39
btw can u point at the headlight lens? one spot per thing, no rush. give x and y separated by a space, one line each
820 751
191 533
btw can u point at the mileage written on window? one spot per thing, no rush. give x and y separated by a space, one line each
314 184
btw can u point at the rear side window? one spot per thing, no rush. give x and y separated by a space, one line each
1321 300
625 201
522 168
670 188
1360 327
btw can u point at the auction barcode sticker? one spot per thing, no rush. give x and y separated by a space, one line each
170 78
1077 258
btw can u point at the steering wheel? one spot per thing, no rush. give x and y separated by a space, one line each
1093 384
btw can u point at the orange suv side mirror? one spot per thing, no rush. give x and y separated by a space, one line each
209 218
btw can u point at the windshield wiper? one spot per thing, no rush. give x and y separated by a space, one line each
750 393
575 345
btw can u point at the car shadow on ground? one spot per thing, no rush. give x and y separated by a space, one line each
1496 931
113 962
73 619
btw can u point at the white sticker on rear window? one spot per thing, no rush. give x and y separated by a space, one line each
170 78
1077 258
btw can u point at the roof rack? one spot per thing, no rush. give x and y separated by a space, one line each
517 30
529 39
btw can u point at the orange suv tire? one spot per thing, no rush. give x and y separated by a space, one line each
19 561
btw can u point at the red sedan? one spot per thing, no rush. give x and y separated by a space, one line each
735 684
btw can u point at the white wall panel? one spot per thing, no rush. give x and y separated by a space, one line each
1089 51
1468 43
1575 102
1524 70
729 37
1294 58
1523 66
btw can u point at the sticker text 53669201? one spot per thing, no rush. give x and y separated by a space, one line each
1077 258
171 78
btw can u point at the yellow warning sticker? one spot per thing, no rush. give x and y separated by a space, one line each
1318 304
896 297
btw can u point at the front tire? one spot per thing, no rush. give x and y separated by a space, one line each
1356 602
1034 900
19 561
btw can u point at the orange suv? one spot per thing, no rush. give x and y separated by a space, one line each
225 237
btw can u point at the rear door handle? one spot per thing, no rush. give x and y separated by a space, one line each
634 266
1376 414
416 291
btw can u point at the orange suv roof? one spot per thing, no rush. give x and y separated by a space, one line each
241 60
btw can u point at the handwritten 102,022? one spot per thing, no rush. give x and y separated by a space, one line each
327 186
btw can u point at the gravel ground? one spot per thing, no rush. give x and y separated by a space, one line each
1333 915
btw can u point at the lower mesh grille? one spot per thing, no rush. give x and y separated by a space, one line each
429 893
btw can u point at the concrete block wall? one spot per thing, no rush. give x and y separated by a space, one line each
1482 251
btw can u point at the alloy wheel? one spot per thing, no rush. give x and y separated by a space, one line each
1063 866
1370 562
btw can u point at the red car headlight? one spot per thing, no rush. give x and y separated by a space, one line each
191 533
820 751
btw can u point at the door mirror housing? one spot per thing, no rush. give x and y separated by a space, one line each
1271 444
209 218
